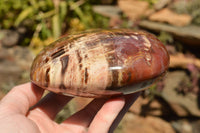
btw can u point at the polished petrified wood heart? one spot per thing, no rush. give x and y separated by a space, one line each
101 63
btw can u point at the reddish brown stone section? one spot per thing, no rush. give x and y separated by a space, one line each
101 63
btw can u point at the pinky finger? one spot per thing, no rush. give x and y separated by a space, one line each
106 115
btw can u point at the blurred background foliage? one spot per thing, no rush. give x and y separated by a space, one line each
46 20
192 8
49 19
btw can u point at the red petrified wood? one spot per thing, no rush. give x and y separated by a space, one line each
101 63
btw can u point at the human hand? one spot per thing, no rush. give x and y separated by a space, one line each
21 110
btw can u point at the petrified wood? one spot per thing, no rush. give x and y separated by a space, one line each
101 63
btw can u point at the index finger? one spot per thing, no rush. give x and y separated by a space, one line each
129 100
21 98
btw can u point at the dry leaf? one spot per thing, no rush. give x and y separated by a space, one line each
166 15
134 9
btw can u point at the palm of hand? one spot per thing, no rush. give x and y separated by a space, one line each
97 116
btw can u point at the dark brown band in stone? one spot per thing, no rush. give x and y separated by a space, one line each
86 75
64 61
58 53
62 86
78 56
47 77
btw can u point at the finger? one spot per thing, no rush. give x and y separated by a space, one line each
106 115
50 105
83 118
129 100
21 98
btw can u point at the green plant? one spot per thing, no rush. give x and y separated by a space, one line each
192 7
165 37
9 9
49 18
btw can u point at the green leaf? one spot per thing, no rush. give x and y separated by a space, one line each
63 10
45 15
23 15
56 26
45 32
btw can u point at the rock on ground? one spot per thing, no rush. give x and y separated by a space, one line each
136 124
166 15
15 66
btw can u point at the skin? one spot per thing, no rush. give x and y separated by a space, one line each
22 110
